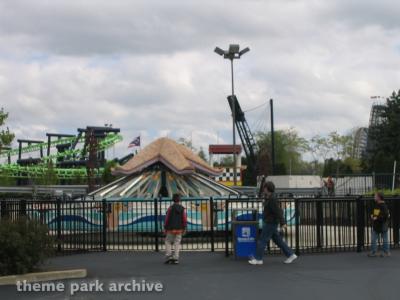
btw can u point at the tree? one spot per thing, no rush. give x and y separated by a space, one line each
341 148
107 176
6 137
341 145
202 154
335 151
319 149
226 161
289 147
331 167
384 137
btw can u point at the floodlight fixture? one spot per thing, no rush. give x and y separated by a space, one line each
245 50
233 49
219 51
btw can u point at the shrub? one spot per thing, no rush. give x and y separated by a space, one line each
386 192
24 245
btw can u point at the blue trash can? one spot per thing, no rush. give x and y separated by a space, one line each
245 232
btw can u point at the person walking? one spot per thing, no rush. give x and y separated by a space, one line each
272 217
330 185
380 225
175 226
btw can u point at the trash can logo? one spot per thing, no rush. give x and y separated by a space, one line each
246 232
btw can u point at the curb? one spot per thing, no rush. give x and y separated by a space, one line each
43 276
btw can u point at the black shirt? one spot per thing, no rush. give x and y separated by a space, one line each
381 212
272 211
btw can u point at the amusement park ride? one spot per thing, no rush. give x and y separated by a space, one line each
82 156
76 156
249 144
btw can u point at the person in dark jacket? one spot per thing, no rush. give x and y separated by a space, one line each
272 217
380 225
175 226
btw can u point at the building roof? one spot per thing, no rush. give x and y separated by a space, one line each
176 157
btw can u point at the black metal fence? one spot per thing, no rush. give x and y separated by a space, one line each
314 225
360 184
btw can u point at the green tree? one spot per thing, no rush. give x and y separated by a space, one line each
226 161
384 138
107 176
341 145
6 137
6 178
335 151
289 147
341 148
332 166
318 147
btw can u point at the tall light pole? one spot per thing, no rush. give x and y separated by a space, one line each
232 53
271 105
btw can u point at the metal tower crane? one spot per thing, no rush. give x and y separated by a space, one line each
249 144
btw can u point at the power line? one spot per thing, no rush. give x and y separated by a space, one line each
254 108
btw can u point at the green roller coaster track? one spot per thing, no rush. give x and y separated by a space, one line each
14 170
37 147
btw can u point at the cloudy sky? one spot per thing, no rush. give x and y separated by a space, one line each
148 67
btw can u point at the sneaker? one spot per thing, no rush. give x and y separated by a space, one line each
175 261
254 261
290 259
372 254
385 254
168 260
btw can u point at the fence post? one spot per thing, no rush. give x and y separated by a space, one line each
226 227
396 220
58 208
212 223
297 225
4 210
360 204
373 181
22 207
156 221
365 185
320 218
104 231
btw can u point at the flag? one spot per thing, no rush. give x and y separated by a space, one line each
135 142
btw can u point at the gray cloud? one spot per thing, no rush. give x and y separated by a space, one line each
149 67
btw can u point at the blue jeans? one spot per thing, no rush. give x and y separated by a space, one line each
374 238
270 231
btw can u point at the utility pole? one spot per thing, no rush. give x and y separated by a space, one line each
271 105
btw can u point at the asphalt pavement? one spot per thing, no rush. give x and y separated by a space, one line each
205 275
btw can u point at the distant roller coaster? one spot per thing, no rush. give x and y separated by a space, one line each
69 162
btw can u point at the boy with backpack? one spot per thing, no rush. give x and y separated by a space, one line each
175 226
380 225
